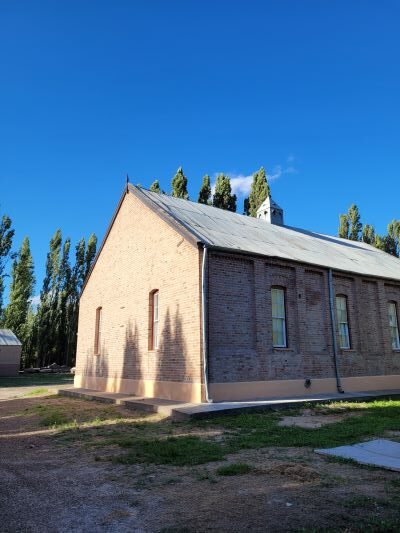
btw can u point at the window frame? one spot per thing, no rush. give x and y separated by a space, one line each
154 333
396 326
97 332
281 318
347 323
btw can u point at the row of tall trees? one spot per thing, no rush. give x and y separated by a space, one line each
47 330
223 196
351 227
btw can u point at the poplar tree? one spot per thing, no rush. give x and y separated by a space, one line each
48 307
84 258
368 234
223 197
6 239
380 242
179 185
90 254
205 191
355 223
155 187
392 238
343 226
21 290
64 283
246 207
259 191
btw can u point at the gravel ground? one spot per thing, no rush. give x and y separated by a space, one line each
50 487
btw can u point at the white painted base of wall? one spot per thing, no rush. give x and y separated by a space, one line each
168 390
257 390
237 391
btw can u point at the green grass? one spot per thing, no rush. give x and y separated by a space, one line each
37 392
27 380
258 430
65 415
363 502
178 451
148 440
234 469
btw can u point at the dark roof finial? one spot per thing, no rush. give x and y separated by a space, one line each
127 182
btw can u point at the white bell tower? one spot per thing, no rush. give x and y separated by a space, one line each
271 212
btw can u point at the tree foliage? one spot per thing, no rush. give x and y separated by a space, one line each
21 290
259 191
155 187
355 223
368 234
205 191
179 185
57 315
223 197
6 239
351 228
343 227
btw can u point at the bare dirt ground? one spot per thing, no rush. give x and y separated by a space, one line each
54 482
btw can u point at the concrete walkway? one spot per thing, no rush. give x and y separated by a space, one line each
183 411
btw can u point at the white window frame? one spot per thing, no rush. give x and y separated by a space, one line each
97 335
343 325
394 326
279 318
155 320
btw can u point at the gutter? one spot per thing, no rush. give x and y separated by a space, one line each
204 320
334 339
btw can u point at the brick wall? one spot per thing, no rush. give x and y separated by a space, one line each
240 322
142 253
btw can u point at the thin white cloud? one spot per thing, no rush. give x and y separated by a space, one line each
241 183
35 300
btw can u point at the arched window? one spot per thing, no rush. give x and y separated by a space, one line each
394 326
279 336
154 333
343 322
97 334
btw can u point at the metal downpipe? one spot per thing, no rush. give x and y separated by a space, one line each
333 326
204 320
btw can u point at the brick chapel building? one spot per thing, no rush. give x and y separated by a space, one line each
189 302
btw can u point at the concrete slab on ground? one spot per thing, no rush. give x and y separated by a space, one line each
382 453
182 411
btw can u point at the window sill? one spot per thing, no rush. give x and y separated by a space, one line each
397 350
348 350
282 349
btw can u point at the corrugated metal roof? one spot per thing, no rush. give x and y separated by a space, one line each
7 337
231 231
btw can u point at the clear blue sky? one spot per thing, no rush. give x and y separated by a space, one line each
92 90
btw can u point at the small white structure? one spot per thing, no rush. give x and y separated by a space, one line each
10 353
271 212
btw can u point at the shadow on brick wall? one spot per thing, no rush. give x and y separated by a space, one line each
97 365
133 361
172 364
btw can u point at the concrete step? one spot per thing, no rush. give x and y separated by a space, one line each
185 411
